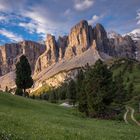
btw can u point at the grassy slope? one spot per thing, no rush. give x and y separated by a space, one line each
27 119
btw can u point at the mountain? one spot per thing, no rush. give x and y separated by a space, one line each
59 59
135 34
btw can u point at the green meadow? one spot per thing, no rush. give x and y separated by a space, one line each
27 119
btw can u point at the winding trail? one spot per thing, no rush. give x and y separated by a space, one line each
132 111
125 115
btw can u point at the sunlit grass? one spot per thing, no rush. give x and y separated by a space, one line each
27 119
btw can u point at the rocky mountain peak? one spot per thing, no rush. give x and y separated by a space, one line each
80 35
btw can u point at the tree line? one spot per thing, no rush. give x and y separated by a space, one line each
95 92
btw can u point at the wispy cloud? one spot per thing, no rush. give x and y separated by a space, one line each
30 27
10 35
82 5
94 19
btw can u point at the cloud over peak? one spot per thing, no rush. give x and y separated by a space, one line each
94 19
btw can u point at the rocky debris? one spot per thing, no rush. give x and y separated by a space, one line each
10 53
66 105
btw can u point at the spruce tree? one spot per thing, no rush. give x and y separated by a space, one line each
23 74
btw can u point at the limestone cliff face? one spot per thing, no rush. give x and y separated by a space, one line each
50 56
10 53
80 39
117 47
62 44
101 39
123 47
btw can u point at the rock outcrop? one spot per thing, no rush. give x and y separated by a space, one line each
123 47
62 44
10 53
50 56
80 39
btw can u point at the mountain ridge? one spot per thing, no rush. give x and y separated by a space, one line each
84 44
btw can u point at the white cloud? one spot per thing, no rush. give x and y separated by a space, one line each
41 22
94 19
38 18
138 17
30 27
82 5
12 36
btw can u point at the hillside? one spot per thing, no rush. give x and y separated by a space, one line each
130 70
31 119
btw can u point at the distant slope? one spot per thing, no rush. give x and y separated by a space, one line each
22 118
130 70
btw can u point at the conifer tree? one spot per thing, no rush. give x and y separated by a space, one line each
23 74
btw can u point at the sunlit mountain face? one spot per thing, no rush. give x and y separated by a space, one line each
32 20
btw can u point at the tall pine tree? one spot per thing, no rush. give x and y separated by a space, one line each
23 74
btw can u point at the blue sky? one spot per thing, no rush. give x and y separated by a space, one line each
33 19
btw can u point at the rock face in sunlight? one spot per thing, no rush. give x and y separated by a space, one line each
84 44
79 35
10 53
50 56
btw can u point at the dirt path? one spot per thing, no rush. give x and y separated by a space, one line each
125 115
132 111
